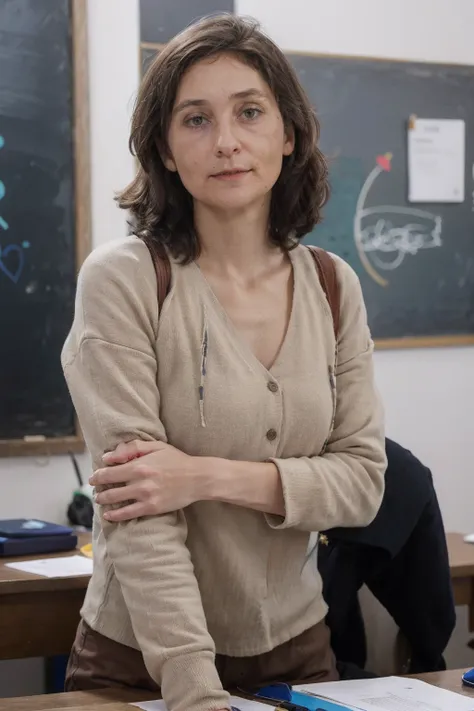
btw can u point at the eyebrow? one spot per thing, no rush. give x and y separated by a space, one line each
246 94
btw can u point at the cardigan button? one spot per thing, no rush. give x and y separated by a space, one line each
272 386
272 435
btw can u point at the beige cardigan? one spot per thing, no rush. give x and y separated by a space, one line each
219 577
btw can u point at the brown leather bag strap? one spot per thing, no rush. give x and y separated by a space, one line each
322 259
162 271
328 278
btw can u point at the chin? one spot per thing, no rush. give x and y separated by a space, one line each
235 200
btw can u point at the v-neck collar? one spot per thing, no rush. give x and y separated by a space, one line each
241 343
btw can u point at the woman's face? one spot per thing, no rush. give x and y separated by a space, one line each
227 139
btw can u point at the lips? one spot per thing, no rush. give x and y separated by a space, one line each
230 173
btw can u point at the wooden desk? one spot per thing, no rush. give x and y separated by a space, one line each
39 616
105 700
450 680
110 700
461 563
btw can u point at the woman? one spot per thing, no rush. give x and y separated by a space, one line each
228 441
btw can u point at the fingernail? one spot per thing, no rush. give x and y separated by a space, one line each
107 516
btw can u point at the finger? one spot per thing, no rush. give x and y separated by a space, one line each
126 451
126 513
117 495
119 474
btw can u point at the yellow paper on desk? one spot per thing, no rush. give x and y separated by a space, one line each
87 550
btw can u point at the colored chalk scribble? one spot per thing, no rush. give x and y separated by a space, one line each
12 257
386 234
3 223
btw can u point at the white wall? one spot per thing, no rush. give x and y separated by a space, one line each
434 30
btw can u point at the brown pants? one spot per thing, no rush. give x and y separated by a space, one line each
99 662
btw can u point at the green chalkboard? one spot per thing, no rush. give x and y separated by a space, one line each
160 20
415 261
44 212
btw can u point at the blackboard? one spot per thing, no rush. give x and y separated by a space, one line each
160 20
44 216
415 261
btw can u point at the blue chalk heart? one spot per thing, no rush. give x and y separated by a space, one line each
16 274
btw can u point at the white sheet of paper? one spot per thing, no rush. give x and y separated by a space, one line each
390 694
242 704
150 705
436 160
66 567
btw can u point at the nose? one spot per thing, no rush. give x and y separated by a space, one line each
227 142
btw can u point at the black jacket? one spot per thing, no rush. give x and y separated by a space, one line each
403 559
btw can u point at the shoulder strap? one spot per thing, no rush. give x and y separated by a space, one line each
323 261
162 271
328 278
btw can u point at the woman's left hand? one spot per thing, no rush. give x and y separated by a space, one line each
155 476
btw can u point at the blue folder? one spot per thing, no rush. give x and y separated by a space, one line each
31 528
284 692
313 704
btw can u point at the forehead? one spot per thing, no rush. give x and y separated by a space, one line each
224 75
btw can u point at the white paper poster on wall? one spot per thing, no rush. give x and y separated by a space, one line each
436 160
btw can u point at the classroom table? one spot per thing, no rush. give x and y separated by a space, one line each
109 700
40 615
105 700
461 563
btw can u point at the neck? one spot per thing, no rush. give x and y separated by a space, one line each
236 243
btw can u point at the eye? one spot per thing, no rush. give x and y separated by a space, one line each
251 113
195 121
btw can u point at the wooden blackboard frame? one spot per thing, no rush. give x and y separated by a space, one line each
384 343
39 446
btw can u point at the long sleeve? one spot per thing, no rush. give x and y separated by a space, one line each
344 485
110 366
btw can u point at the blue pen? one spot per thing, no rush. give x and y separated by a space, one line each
468 678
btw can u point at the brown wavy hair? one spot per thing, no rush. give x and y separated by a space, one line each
160 206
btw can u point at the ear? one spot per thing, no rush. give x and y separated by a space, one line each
170 165
289 144
167 158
